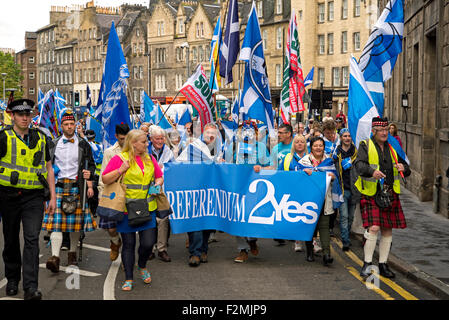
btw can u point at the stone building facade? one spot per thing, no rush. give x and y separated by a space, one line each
27 60
329 32
421 77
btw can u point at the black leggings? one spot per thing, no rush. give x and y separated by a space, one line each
147 239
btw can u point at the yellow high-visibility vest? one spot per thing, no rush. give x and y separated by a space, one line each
368 185
137 183
19 158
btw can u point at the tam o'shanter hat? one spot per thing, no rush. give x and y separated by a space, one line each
68 115
379 122
21 105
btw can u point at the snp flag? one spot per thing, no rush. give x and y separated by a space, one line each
231 42
256 97
382 49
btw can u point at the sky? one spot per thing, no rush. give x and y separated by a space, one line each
19 16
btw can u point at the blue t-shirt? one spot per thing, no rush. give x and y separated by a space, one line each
279 152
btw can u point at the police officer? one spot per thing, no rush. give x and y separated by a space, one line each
26 181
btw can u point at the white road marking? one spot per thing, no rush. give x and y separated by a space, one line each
81 272
109 283
96 248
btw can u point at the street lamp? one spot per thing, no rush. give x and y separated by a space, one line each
4 74
405 101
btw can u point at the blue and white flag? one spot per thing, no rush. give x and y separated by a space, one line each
235 112
214 79
234 199
161 119
113 109
230 47
256 96
60 106
184 119
3 105
361 107
40 100
147 109
309 78
382 49
230 128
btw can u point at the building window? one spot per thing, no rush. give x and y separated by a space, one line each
356 8
137 32
345 76
279 36
31 76
321 75
278 6
31 60
140 72
321 12
330 11
195 54
300 15
336 77
201 53
179 81
344 9
160 28
31 91
264 39
160 83
181 25
344 42
330 43
321 45
197 28
259 5
278 75
356 41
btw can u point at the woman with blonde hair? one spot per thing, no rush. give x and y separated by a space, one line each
139 171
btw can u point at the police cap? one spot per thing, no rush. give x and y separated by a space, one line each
21 105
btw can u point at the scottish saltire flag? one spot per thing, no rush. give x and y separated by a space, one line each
48 121
161 119
60 104
256 96
229 49
214 79
309 78
361 107
147 109
113 109
230 128
382 49
40 100
235 112
183 120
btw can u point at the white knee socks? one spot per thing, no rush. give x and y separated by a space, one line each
56 243
370 246
74 238
384 248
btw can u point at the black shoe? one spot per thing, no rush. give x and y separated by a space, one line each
152 256
327 259
309 251
12 288
32 294
384 271
366 270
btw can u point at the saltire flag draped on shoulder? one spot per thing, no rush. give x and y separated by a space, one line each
48 121
296 84
197 91
256 96
215 79
147 109
114 108
309 78
230 47
382 49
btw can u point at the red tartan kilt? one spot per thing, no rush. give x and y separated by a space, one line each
392 217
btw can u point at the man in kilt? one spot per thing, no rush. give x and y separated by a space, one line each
379 167
69 157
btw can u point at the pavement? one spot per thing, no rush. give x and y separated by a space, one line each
420 251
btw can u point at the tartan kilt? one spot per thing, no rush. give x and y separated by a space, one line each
60 222
107 224
391 217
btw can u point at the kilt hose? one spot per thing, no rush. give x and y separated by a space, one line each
391 217
60 222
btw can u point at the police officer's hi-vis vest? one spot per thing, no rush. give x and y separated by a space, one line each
137 183
16 167
368 185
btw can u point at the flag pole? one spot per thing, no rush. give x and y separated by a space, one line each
166 110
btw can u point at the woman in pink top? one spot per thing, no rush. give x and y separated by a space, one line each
135 149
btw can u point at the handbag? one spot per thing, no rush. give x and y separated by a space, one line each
112 201
163 206
138 213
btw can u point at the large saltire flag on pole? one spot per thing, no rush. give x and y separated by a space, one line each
296 85
113 109
256 96
60 107
147 109
215 79
382 49
197 91
48 120
229 49
40 100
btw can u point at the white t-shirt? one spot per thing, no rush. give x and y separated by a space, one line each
66 158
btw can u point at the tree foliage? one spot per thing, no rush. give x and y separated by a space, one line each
13 77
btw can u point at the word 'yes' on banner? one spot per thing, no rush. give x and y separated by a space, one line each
234 199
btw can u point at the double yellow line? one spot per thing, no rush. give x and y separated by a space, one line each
401 291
